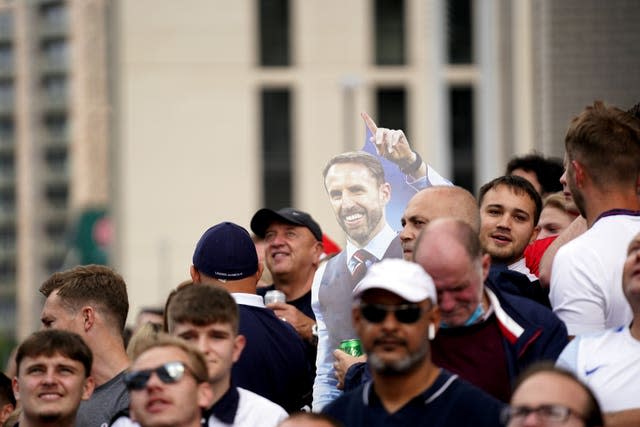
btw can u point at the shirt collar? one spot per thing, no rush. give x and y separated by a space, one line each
248 299
521 267
377 246
226 407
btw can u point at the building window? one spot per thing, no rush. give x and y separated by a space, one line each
56 125
7 270
7 164
56 231
7 236
55 86
392 108
459 31
6 130
56 158
274 33
54 14
6 92
461 136
57 194
389 26
6 57
55 52
7 200
276 148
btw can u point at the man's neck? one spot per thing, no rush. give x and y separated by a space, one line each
219 388
395 391
27 421
293 287
603 201
109 358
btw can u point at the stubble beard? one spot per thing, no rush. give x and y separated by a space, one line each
399 367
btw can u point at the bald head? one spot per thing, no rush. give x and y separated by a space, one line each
449 250
433 203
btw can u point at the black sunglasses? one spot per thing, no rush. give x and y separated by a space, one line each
168 373
405 313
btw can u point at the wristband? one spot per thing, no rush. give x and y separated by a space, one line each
412 167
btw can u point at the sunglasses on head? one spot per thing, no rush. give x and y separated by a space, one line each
168 373
404 313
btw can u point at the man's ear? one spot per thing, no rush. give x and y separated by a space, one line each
385 192
88 314
205 395
356 317
486 266
579 173
16 388
534 233
195 274
318 249
88 387
238 345
6 410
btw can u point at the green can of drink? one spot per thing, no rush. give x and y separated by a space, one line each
352 347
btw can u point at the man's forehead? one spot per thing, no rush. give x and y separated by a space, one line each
55 358
213 326
498 196
349 168
286 225
157 356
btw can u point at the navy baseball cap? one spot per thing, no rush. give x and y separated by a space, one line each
264 217
226 252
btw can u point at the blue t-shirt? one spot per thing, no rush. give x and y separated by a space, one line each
449 402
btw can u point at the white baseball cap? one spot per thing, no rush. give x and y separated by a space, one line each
406 279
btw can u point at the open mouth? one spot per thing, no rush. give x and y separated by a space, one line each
49 396
353 218
501 238
157 405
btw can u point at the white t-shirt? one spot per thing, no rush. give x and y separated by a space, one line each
253 410
609 363
586 278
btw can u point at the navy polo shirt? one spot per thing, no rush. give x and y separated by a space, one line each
449 402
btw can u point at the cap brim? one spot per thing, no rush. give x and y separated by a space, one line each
264 217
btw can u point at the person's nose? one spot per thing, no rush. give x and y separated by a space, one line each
563 178
348 200
504 221
532 420
407 233
446 302
277 239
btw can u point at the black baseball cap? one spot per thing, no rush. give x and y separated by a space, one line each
264 217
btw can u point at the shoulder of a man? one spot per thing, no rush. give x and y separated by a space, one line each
106 401
254 410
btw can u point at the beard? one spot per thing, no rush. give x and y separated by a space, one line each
398 367
362 234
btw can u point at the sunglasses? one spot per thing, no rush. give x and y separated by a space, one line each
169 373
404 313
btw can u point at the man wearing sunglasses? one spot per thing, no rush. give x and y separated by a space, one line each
168 384
550 396
395 314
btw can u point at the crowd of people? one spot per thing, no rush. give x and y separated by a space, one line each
515 308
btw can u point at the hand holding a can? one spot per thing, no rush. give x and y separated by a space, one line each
343 361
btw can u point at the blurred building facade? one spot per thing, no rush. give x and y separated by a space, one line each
53 142
179 115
